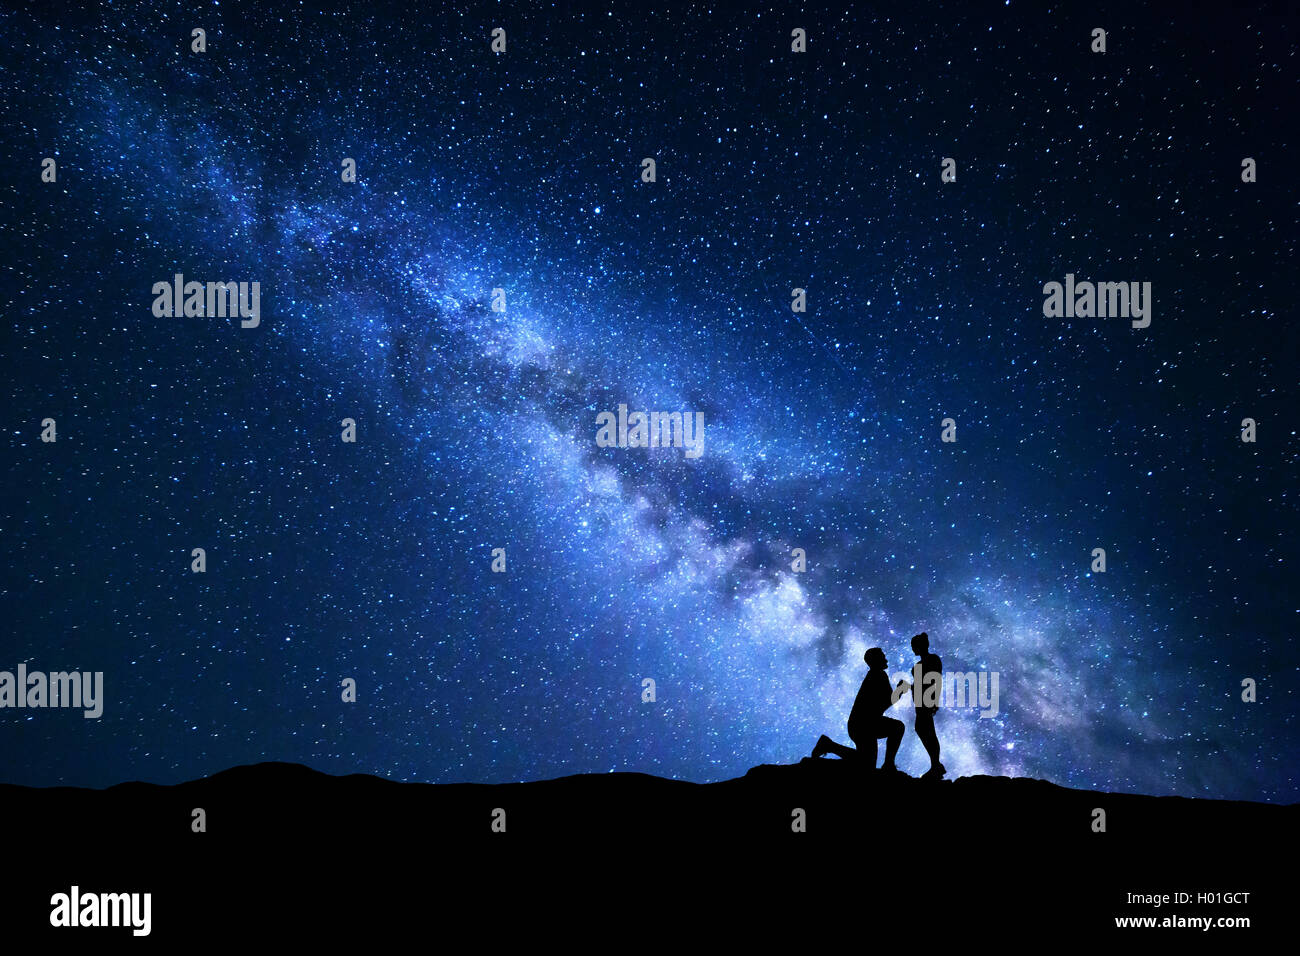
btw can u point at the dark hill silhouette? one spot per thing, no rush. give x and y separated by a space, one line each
293 850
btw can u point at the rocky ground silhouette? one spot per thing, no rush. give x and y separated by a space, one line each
799 849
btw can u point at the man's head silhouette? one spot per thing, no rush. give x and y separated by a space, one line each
921 643
875 658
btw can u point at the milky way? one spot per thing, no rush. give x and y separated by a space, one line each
476 428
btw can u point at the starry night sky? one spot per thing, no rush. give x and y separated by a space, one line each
476 429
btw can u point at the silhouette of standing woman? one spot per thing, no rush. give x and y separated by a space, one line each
867 720
926 701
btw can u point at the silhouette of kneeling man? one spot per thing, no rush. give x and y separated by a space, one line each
867 720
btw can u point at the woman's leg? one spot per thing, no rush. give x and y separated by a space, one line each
925 730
